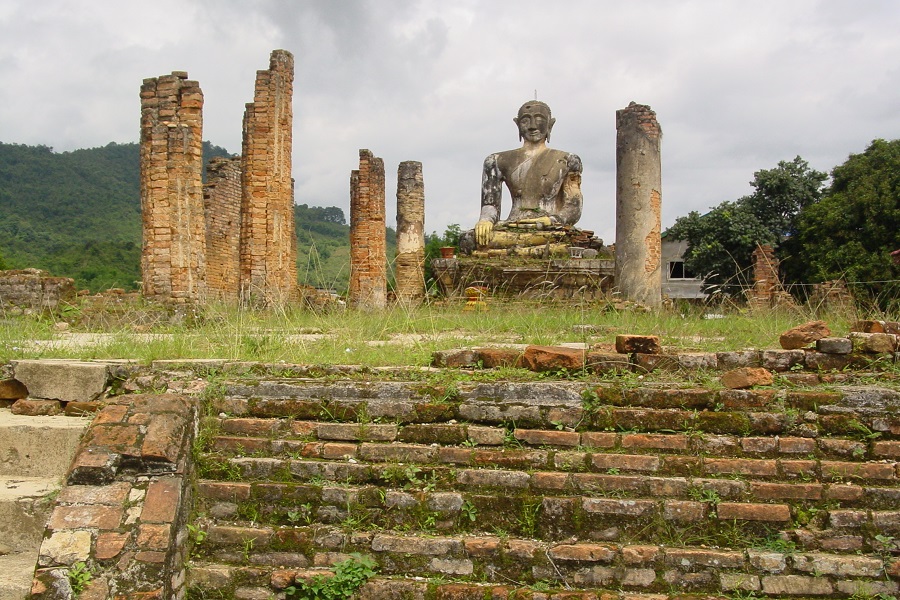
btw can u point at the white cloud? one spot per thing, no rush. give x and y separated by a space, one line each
736 86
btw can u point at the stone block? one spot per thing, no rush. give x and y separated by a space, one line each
65 548
66 380
796 585
874 343
834 345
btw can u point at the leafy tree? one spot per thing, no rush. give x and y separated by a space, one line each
851 232
721 242
434 243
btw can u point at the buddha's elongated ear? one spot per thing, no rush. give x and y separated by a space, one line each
550 127
516 121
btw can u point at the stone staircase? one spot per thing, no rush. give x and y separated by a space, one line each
550 489
35 453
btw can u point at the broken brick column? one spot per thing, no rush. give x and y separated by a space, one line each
173 263
410 266
268 253
368 246
638 205
222 205
767 291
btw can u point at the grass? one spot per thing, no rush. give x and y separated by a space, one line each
397 336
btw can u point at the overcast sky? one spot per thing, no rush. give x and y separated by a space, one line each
737 86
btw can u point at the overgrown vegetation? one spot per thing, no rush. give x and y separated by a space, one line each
349 576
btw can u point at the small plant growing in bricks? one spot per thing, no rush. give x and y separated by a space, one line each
349 576
468 511
79 577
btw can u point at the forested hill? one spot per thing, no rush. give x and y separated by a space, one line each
77 214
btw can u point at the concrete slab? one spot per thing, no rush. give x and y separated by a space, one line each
56 379
25 504
38 446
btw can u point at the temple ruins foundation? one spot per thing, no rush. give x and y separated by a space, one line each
173 264
268 248
368 246
410 265
638 205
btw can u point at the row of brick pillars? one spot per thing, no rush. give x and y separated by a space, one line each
234 238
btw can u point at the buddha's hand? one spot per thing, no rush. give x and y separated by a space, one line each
483 232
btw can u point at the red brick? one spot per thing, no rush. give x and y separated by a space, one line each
241 445
583 552
492 358
690 558
113 494
759 445
109 544
164 439
118 438
838 469
162 500
80 409
150 556
597 439
544 480
684 511
515 459
727 511
222 490
843 448
113 413
799 468
886 449
786 491
847 519
644 344
92 516
796 445
847 493
613 506
482 546
539 437
625 462
656 441
153 537
552 358
35 408
455 456
640 555
741 466
250 426
746 399
338 451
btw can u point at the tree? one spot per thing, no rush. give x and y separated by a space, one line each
851 232
721 242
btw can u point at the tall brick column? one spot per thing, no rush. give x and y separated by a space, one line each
410 266
173 264
368 247
268 254
638 205
222 204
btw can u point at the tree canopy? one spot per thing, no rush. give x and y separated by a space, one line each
850 233
721 242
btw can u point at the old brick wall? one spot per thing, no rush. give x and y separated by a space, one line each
368 247
638 205
173 266
410 266
268 270
33 288
222 204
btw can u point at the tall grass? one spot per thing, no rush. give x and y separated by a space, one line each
395 336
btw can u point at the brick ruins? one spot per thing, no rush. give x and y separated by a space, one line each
34 289
235 237
410 272
173 263
368 247
767 291
638 205
268 244
222 204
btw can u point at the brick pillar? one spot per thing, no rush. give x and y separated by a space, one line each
268 254
410 269
767 291
222 204
173 263
368 247
638 205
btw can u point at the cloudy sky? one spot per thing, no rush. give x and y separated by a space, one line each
737 86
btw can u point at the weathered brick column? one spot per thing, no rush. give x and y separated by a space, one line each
173 264
638 205
368 247
268 255
222 205
410 266
767 291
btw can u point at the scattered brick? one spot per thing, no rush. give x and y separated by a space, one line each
36 408
804 335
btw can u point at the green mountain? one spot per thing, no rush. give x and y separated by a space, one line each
77 214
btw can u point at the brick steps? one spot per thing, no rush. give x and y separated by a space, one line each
551 490
499 560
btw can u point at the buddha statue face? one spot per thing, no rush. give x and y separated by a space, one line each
534 122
